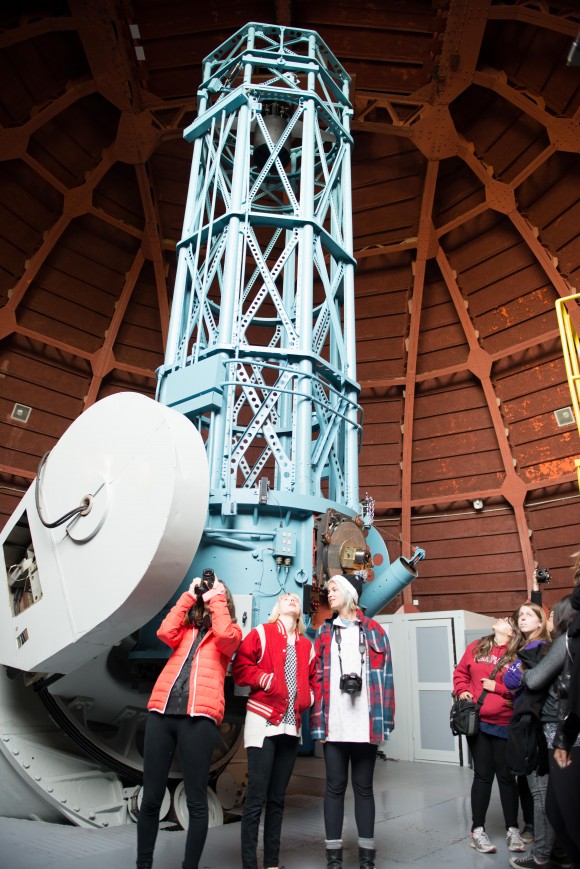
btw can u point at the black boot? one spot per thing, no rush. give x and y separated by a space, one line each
334 858
366 858
144 865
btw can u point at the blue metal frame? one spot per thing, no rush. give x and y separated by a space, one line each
261 346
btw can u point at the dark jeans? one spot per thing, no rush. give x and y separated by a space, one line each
269 771
196 738
563 804
526 800
362 757
488 754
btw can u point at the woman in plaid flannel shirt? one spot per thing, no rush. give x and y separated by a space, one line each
351 716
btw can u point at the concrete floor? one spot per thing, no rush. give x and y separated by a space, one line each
422 819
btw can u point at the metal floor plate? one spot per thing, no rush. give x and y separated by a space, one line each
422 819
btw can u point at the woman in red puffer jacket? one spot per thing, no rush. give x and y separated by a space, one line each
186 705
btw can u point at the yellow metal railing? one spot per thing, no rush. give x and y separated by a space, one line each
571 348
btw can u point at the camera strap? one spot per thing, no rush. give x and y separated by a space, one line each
361 646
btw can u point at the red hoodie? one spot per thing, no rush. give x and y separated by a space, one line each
497 707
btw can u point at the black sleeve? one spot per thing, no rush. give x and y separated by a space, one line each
536 597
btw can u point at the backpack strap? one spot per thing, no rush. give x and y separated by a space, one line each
481 698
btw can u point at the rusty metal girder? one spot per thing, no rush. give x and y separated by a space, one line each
564 133
537 12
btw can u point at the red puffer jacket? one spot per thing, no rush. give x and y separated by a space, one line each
210 663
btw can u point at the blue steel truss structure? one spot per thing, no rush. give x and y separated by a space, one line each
261 346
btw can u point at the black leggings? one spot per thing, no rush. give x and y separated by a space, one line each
362 756
488 754
563 804
196 738
269 771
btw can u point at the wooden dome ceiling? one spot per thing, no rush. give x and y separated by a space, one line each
466 200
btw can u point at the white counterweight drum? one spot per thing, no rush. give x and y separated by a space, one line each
72 591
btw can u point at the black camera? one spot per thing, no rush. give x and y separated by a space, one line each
207 581
351 683
543 574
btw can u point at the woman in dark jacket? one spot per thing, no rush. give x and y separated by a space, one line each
563 797
540 681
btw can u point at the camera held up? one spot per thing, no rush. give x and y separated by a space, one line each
207 581
543 575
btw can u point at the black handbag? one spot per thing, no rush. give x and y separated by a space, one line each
464 716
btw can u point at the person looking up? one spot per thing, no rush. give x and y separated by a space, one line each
276 661
481 670
185 708
353 712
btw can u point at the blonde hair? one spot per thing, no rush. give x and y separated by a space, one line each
347 591
275 614
541 632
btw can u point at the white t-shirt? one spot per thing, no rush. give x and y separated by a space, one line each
349 718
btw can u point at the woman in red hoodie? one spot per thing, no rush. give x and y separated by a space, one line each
481 669
186 705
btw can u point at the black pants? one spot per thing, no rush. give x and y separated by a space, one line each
563 804
196 738
526 800
269 771
362 756
488 754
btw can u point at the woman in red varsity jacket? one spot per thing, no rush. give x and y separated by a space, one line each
276 661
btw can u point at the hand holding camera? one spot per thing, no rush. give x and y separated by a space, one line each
543 575
207 582
201 585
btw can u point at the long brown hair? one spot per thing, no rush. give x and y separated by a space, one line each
576 567
486 644
196 614
541 632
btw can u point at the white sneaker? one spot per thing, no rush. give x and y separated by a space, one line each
480 841
514 840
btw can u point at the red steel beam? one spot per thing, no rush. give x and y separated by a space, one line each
103 361
423 249
527 14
